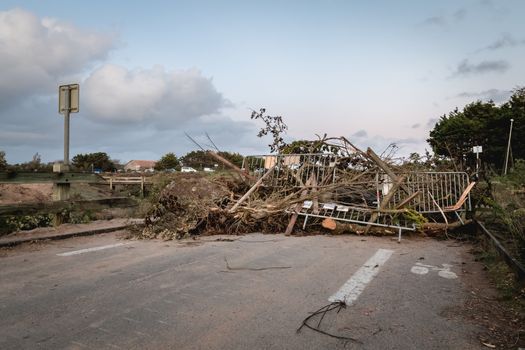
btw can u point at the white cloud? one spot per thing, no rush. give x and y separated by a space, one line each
37 53
113 94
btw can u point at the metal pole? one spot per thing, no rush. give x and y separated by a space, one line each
67 102
477 162
508 148
66 138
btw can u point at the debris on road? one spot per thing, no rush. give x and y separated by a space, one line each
229 268
321 313
325 184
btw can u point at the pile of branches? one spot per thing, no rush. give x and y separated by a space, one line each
269 192
194 204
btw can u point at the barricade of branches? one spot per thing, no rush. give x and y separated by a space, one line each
327 183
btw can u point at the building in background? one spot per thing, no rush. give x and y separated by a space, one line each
140 165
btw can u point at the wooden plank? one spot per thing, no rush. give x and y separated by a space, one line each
252 189
298 208
231 165
380 163
408 199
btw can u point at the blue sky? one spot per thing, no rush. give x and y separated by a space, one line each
373 71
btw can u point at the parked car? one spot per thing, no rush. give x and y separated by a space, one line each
209 170
187 169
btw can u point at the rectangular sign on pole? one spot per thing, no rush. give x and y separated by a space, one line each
68 98
477 149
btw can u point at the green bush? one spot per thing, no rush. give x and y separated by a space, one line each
28 222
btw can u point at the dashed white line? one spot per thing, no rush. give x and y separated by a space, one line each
94 249
351 290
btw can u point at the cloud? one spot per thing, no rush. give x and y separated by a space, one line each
443 20
460 14
431 122
465 68
435 21
37 53
116 95
504 41
495 95
380 143
360 134
121 110
38 127
11 137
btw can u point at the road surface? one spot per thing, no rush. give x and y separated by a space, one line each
245 292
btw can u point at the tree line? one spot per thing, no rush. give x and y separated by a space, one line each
101 161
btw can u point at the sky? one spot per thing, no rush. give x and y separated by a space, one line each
376 72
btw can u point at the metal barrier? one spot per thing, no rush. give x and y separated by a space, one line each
437 191
291 169
432 192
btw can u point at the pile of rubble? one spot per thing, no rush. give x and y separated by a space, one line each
328 184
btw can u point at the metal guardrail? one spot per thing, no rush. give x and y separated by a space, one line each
514 264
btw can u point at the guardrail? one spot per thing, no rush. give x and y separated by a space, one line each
514 264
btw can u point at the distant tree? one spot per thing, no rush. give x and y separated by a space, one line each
234 158
483 124
307 146
202 159
3 161
168 161
117 164
198 160
35 164
97 160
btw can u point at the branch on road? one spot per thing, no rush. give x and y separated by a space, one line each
254 268
338 305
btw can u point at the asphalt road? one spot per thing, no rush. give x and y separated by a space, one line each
101 292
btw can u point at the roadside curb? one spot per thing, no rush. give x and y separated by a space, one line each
17 241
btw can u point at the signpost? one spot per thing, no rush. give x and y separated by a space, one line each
68 102
508 148
477 150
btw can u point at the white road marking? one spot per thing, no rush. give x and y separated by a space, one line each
419 270
94 249
351 290
423 269
447 274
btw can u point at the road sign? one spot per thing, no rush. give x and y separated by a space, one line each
68 98
477 149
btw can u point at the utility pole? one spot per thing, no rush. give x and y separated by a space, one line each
508 148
